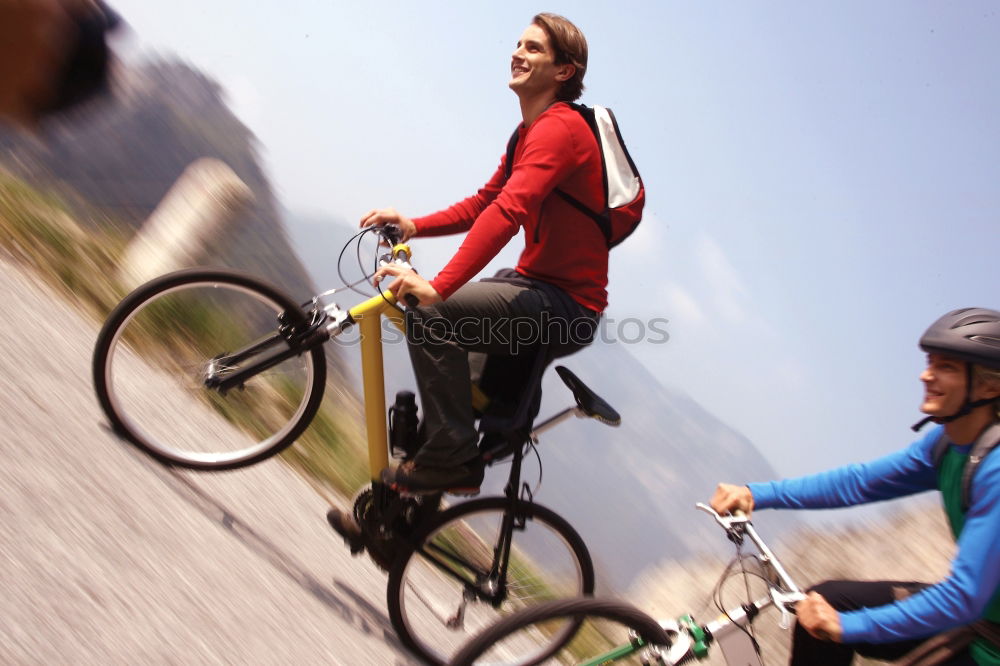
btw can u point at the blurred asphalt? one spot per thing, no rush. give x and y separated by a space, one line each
107 557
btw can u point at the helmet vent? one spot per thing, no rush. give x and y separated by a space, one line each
986 340
972 320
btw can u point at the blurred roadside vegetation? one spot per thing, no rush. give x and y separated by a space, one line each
38 232
80 261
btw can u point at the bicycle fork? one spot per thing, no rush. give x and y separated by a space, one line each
224 371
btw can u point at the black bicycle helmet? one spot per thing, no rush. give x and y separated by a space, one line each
971 335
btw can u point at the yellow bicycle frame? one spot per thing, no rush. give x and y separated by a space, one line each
368 317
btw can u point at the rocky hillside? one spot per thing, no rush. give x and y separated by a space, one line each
120 156
77 193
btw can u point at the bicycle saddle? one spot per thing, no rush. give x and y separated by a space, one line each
591 403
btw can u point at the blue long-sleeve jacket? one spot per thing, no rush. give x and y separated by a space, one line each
974 579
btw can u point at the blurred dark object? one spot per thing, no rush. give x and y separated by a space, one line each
85 70
122 153
53 55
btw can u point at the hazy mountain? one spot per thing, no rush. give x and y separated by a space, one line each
630 491
121 155
318 240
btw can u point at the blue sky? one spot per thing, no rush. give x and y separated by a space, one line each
822 177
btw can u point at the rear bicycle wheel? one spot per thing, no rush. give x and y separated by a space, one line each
162 348
447 587
506 641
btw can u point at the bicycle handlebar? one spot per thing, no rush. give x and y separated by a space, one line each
736 526
393 235
726 522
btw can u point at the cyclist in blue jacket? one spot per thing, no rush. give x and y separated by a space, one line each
887 619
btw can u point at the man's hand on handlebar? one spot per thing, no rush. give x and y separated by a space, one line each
729 499
819 618
408 283
381 216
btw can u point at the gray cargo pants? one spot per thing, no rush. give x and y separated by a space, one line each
495 317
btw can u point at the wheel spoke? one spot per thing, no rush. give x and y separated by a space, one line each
435 608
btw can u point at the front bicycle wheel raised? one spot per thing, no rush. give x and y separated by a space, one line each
163 352
451 583
631 631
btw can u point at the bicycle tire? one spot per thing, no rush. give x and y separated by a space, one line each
415 581
156 346
613 610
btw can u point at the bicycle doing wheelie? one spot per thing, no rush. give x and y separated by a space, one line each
646 640
214 370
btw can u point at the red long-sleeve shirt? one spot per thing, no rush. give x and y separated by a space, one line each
562 246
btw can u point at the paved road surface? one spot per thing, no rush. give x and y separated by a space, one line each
109 558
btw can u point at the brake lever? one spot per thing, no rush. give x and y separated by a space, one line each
387 259
785 601
725 522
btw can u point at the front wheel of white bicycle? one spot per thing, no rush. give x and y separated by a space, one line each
162 347
609 627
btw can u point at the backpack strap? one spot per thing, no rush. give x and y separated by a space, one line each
986 442
602 219
940 448
508 166
987 630
940 649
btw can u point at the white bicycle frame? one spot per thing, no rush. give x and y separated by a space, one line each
729 631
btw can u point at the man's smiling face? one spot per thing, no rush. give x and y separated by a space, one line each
532 65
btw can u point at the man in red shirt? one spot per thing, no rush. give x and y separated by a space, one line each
558 286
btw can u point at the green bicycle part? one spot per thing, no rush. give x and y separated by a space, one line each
699 646
616 654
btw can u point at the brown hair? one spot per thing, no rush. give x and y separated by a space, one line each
984 375
570 48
